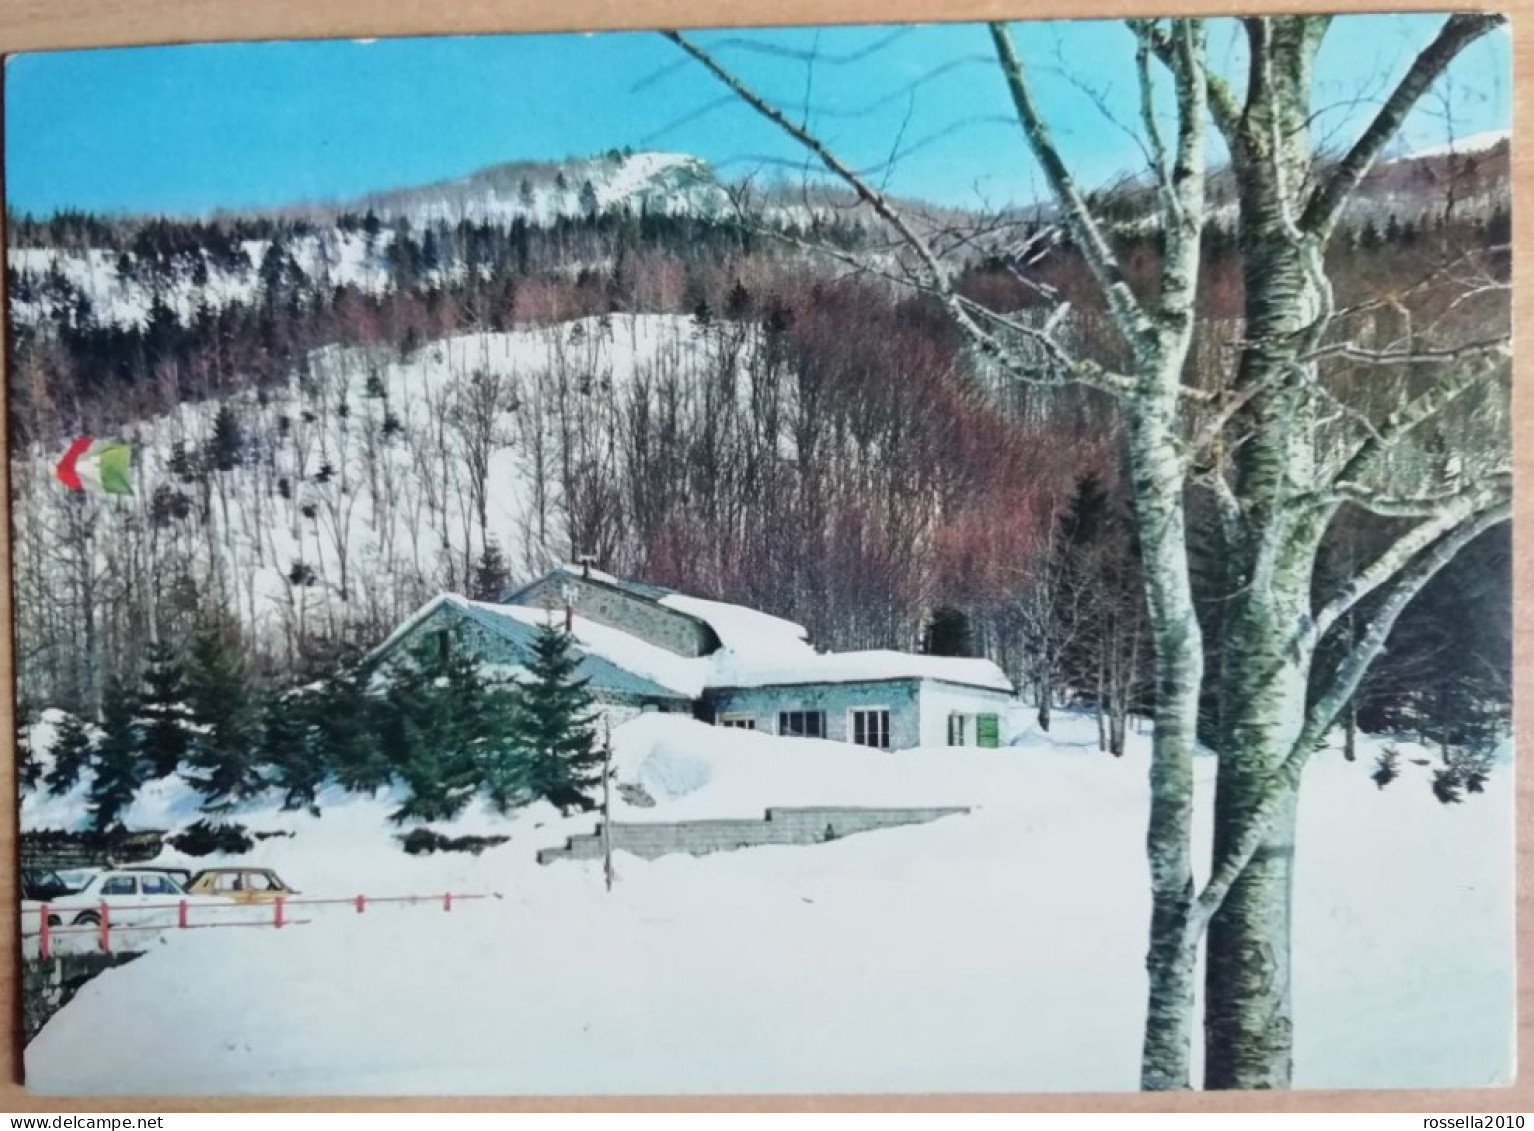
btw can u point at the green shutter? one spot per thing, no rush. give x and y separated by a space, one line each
988 730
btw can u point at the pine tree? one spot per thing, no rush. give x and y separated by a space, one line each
737 304
437 722
224 448
291 746
553 725
225 754
947 633
72 751
348 721
29 770
117 765
491 574
167 735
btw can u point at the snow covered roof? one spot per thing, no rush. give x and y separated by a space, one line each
744 630
733 670
757 649
682 675
519 630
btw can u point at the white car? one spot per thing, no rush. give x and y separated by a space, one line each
134 897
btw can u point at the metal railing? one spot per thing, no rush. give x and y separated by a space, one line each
276 914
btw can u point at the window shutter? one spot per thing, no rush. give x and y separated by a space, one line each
988 730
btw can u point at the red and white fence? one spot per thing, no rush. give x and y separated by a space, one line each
275 913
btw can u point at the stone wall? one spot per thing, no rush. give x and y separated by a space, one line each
812 825
605 604
48 984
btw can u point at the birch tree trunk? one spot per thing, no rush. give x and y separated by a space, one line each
1248 1029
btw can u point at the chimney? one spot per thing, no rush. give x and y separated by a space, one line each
586 561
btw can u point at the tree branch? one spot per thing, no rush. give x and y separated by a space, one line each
1323 713
1457 33
1350 351
1084 228
1450 514
938 280
1483 366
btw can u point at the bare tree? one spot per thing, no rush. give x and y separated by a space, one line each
1278 458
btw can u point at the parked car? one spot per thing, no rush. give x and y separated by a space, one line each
44 884
132 896
182 876
243 885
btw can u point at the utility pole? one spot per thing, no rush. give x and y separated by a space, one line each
607 803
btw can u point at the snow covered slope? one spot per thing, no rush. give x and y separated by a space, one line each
541 192
58 278
1000 951
353 487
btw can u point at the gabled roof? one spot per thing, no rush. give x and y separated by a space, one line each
733 626
519 633
758 650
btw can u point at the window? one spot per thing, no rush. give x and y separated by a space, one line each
871 727
229 881
739 722
156 885
118 885
957 724
802 724
988 731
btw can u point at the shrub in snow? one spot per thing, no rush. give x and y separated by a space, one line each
204 838
420 842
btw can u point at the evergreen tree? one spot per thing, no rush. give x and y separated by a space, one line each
947 633
291 745
434 726
117 765
72 751
224 448
491 574
589 203
167 735
347 720
553 725
225 754
29 770
737 304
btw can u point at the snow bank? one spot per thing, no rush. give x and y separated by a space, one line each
1002 951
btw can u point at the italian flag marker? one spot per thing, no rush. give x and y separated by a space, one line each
96 465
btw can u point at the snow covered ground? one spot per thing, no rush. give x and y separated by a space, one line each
999 951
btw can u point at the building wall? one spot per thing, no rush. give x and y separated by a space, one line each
661 626
940 700
899 697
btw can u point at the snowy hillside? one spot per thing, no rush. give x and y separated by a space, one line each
541 192
56 281
997 951
358 485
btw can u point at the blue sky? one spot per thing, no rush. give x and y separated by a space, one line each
198 128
